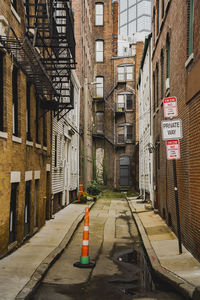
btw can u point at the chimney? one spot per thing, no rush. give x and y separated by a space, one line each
115 27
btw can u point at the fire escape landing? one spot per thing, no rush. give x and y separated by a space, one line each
46 53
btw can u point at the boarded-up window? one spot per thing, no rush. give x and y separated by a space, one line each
100 122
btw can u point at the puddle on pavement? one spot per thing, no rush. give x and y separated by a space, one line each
133 282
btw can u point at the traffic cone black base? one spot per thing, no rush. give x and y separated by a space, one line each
82 266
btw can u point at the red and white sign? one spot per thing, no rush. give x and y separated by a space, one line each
173 149
170 107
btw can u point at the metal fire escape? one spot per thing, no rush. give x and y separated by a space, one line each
46 53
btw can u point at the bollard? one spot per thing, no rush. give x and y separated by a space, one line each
85 258
81 189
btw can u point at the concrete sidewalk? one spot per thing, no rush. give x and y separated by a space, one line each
182 271
23 269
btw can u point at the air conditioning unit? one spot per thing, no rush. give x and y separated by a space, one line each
167 84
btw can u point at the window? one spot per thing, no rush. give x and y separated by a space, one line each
28 111
157 85
124 102
190 26
99 51
100 122
125 134
99 14
44 130
56 151
37 120
163 8
168 57
15 101
162 75
154 25
157 17
125 72
99 87
71 92
14 4
154 93
1 92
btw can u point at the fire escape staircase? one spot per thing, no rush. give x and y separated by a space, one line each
46 53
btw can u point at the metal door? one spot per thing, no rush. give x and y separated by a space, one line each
124 170
27 208
12 223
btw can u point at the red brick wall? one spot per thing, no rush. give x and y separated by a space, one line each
174 23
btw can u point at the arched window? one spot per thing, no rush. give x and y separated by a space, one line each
99 14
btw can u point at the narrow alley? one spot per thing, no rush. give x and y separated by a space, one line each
121 270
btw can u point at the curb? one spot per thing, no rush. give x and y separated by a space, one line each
45 265
179 284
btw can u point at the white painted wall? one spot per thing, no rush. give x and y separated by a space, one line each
145 127
65 177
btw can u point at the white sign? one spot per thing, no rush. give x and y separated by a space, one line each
170 107
171 129
173 149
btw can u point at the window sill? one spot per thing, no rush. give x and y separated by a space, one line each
16 139
16 14
38 146
3 135
29 143
44 148
189 60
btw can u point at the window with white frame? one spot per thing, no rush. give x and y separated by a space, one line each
99 86
125 72
99 51
124 102
99 14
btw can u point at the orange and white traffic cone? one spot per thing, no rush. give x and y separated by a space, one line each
85 259
81 189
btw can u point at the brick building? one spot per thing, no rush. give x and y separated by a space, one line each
176 73
31 91
103 122
83 31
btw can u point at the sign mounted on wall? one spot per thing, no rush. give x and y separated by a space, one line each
171 129
173 149
170 107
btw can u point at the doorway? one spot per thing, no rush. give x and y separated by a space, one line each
27 208
12 219
124 170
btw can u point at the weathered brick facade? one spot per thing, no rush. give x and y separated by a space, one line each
23 159
83 31
171 28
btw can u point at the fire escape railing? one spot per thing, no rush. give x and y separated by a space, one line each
46 53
